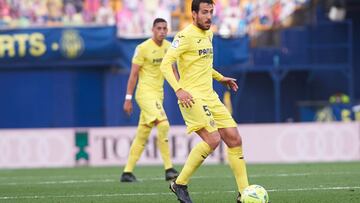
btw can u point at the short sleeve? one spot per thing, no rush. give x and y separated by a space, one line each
179 45
138 57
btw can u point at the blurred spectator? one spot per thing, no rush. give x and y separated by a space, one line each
4 13
105 14
55 12
124 22
230 20
90 9
163 11
341 107
134 17
40 11
72 16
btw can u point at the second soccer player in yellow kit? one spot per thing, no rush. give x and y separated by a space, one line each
200 106
149 96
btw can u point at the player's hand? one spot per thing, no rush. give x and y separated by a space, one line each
128 107
185 98
230 83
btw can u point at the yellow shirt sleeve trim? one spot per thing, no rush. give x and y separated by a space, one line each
216 75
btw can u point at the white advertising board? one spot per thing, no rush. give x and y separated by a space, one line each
33 148
262 143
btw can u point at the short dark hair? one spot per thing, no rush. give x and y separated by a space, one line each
195 5
159 20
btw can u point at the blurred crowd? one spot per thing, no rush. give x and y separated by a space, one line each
240 17
25 13
134 17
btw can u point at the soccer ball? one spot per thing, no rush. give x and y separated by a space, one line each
254 194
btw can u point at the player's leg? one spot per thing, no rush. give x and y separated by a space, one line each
140 140
235 155
198 154
163 145
227 128
136 149
163 142
196 157
156 110
198 118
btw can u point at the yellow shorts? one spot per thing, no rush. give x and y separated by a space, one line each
151 110
208 114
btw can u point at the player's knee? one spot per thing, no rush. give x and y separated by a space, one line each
143 133
232 139
236 141
163 129
213 141
140 139
163 125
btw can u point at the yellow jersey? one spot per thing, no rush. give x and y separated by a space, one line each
193 51
148 55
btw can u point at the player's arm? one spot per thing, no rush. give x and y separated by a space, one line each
167 69
137 61
178 46
230 83
134 74
175 72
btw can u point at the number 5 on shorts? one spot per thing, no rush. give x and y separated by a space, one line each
207 111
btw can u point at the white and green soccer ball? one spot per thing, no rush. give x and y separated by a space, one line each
254 194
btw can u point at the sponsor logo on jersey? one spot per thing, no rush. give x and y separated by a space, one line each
157 60
206 51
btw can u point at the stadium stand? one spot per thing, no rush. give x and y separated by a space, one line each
232 17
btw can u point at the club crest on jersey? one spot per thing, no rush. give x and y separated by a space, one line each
175 43
136 52
212 123
158 106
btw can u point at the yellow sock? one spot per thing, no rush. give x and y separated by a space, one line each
237 164
137 147
196 157
163 143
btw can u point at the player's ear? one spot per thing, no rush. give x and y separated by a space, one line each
194 14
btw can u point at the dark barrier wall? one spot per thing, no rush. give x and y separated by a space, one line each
355 17
226 51
88 89
51 98
76 77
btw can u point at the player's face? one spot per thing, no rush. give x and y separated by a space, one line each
203 17
160 31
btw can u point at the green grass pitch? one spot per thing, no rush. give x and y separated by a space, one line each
285 183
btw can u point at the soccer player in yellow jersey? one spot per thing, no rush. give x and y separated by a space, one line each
149 96
200 106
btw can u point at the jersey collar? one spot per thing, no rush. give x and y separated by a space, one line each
159 46
194 27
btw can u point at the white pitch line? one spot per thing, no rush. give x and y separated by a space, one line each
168 193
62 182
54 177
115 178
302 174
253 175
314 188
